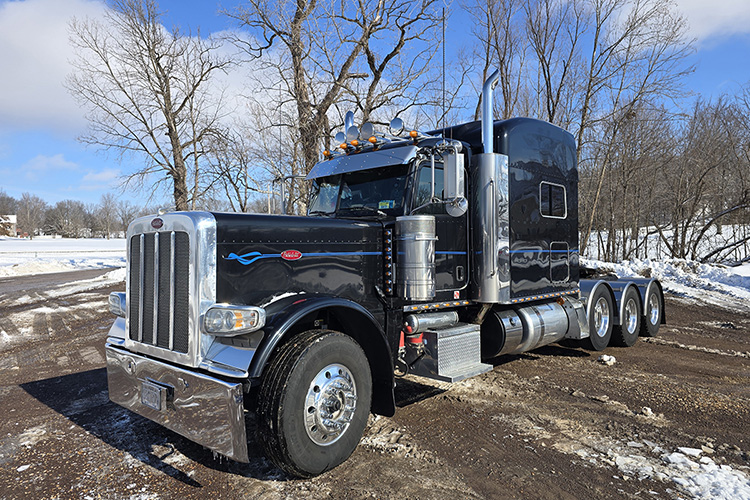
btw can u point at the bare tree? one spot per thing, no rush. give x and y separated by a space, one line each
31 210
147 91
126 212
637 56
324 48
67 219
8 204
106 214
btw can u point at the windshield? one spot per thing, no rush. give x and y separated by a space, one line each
368 191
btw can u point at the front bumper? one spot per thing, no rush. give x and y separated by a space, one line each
204 409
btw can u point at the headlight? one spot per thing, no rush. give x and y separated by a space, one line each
117 304
227 320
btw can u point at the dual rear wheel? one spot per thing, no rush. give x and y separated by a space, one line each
634 322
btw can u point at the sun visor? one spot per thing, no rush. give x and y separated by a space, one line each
363 161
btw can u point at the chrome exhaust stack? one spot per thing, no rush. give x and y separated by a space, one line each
487 118
490 213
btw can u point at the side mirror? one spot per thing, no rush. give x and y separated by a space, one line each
453 185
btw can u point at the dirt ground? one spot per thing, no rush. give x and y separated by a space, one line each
551 424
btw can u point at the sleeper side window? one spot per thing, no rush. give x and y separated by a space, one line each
552 200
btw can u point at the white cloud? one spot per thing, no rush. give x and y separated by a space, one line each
712 20
35 49
43 165
100 181
106 175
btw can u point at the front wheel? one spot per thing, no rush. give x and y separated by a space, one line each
314 402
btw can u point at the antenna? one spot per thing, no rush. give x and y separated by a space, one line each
443 82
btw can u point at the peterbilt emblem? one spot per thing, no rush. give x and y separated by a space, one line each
157 223
291 255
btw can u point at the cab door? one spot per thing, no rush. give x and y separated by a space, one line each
451 249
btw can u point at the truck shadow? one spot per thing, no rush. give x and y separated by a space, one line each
409 391
570 350
82 398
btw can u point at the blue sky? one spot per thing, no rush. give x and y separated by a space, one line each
39 122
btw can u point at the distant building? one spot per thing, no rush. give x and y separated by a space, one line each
9 225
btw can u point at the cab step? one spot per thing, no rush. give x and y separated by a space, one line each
451 354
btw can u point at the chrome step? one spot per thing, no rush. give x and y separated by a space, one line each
451 354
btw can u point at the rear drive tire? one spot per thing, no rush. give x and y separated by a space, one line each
600 320
314 402
652 310
626 333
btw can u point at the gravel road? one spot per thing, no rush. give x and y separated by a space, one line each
553 423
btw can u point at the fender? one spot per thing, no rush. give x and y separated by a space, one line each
619 288
587 289
645 285
283 321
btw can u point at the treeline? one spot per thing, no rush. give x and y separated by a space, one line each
674 185
658 166
69 218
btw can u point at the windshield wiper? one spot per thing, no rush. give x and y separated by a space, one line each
320 212
363 208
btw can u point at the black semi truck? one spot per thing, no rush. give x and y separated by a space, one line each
422 253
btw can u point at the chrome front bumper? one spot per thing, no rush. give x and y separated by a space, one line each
204 409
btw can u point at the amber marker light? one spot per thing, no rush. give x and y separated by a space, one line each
343 146
355 143
326 153
413 134
372 140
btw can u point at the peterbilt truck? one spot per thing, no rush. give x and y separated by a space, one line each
421 253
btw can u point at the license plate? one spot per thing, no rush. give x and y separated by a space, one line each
151 395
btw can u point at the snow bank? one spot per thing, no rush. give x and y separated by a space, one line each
727 287
53 255
701 478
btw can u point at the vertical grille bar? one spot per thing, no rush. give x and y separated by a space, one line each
134 302
171 293
149 280
141 279
181 287
164 311
155 331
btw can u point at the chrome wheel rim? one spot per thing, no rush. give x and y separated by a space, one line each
653 309
631 315
601 317
330 404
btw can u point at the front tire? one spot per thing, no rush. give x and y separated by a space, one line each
314 402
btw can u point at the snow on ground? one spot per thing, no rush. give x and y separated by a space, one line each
53 255
727 287
690 470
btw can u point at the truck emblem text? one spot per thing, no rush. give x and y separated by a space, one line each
291 255
157 223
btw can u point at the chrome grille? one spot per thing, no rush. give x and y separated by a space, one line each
158 294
